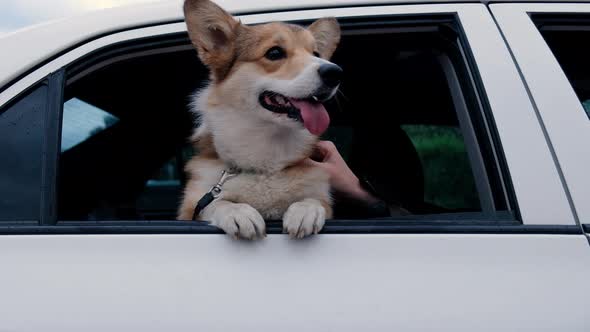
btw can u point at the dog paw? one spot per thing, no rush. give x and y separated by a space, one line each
304 218
239 221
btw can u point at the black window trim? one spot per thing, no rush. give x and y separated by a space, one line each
340 227
51 148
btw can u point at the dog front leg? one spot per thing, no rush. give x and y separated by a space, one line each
305 217
236 219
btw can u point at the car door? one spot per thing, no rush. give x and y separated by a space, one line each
544 40
513 263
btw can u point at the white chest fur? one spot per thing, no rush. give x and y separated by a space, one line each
270 194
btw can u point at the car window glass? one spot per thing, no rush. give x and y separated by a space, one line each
82 120
127 135
22 133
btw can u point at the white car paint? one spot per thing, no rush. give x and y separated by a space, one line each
35 44
327 283
388 282
565 120
46 40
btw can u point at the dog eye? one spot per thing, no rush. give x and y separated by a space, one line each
275 53
316 54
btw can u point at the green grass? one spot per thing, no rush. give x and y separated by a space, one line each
447 172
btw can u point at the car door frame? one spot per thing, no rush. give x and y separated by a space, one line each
539 203
563 119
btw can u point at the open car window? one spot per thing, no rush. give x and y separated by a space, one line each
409 119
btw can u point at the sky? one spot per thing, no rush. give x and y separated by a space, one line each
15 14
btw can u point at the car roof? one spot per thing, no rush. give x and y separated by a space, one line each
33 45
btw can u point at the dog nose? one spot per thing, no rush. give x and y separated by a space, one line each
331 74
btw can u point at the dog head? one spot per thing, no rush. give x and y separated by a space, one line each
275 73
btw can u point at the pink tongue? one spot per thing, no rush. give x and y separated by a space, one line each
315 117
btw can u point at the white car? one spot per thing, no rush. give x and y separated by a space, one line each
473 115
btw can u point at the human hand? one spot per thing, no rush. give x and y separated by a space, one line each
342 179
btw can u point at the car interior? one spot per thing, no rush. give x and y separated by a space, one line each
564 41
394 121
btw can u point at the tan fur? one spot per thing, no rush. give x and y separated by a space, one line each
213 32
325 31
224 44
204 147
267 147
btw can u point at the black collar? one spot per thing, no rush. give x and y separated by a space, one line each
215 191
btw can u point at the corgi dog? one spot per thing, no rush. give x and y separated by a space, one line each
260 117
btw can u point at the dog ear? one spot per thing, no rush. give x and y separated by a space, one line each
212 31
326 32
